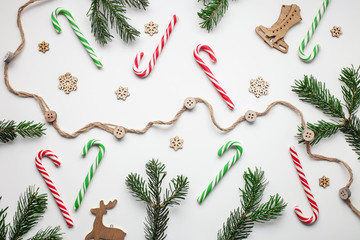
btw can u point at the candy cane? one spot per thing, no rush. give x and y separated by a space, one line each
223 171
77 31
92 170
309 34
210 75
307 190
157 52
50 184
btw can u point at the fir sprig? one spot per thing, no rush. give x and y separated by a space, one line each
30 209
312 91
241 221
9 130
102 12
157 208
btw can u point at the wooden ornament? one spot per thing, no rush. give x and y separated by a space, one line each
274 36
99 230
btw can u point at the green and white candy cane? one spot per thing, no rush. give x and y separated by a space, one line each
228 165
92 170
77 31
309 34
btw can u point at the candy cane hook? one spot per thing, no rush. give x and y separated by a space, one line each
157 52
309 34
209 74
307 190
50 184
92 170
228 165
77 31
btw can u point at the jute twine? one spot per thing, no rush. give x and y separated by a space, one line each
110 127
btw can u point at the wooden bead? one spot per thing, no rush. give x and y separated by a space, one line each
190 103
308 135
50 116
344 193
8 57
250 116
119 132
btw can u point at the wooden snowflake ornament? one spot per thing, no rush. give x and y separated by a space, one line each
43 47
122 93
259 87
151 28
324 182
176 143
336 31
67 83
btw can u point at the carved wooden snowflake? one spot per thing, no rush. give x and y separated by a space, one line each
324 182
44 47
68 83
259 87
176 143
336 31
122 93
151 28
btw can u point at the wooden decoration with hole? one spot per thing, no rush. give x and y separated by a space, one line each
99 230
274 36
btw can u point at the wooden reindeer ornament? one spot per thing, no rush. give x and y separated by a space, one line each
99 230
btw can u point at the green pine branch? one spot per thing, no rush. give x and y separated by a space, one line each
212 13
30 209
321 129
241 221
102 12
157 208
9 130
311 91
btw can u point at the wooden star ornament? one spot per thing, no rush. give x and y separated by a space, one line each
324 182
336 31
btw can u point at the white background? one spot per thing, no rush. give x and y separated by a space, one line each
242 55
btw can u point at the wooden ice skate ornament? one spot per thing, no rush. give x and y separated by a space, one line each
99 230
274 36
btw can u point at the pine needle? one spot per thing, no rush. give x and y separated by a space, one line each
212 13
50 233
157 209
9 130
241 221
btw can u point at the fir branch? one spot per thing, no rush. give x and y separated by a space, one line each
99 23
157 209
321 129
50 233
178 189
9 130
241 221
136 185
311 91
31 207
237 226
351 130
351 91
135 3
212 13
3 226
269 210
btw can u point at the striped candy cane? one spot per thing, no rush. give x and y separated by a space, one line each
210 75
307 190
77 31
157 52
228 165
50 184
309 34
92 170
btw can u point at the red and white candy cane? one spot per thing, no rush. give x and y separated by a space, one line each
210 75
307 190
50 154
157 52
